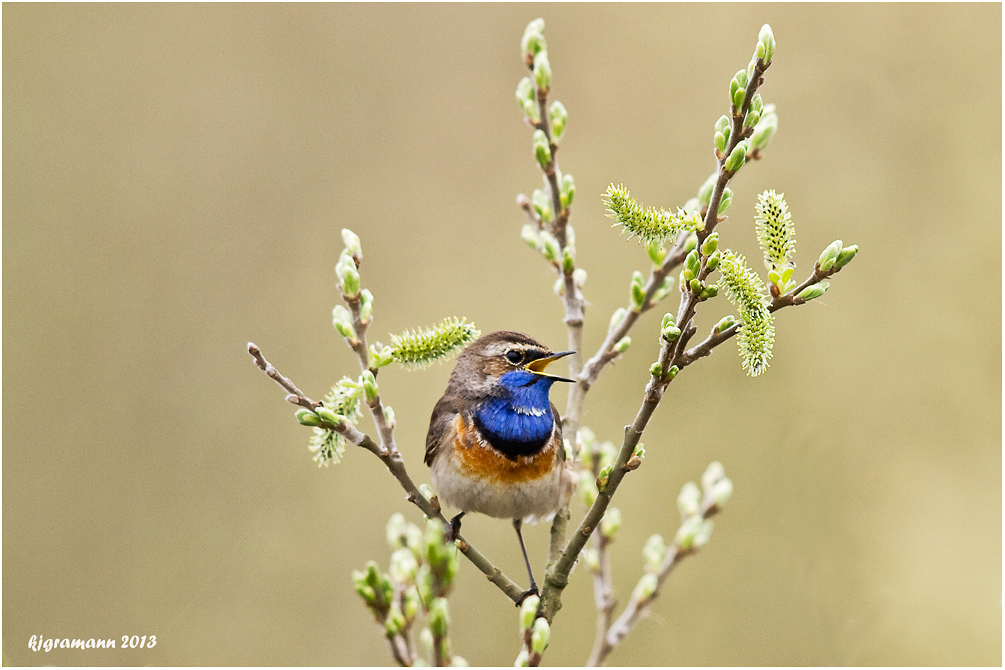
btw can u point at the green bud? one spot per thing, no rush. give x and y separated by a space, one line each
533 38
617 317
710 244
638 291
713 261
844 258
689 500
579 277
542 205
542 70
528 612
668 320
654 552
329 417
427 491
705 192
713 473
737 157
568 259
766 40
727 199
559 116
370 388
646 588
308 418
751 119
352 243
541 636
814 291
396 529
670 333
765 129
656 369
525 98
721 491
720 142
411 604
439 619
709 292
426 640
542 151
395 621
738 88
549 246
365 305
364 590
403 567
829 255
381 355
722 124
522 659
348 277
691 243
591 557
657 252
672 372
689 527
756 103
724 323
704 533
343 322
692 265
611 522
604 476
565 195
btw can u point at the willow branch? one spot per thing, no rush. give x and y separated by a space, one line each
396 466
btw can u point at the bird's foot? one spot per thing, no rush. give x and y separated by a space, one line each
454 528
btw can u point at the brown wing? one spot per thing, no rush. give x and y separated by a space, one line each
443 416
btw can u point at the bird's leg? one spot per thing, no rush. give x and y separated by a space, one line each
532 591
454 528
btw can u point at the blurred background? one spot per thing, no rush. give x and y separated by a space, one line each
175 180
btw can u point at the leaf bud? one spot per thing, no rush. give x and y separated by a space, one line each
689 500
348 277
427 491
756 103
657 252
656 369
529 234
439 619
533 38
766 41
713 261
638 296
565 195
829 255
588 490
720 142
542 151
411 604
329 417
727 199
691 242
724 323
654 552
395 621
710 244
617 317
713 473
528 612
765 129
692 265
559 116
604 476
703 533
668 320
722 125
403 567
738 89
663 290
751 119
370 388
568 259
525 98
308 418
542 205
522 659
542 70
844 258
737 157
549 246
709 292
365 305
579 277
689 527
352 243
397 527
622 345
813 291
721 491
611 522
541 636
381 355
670 333
672 372
646 588
343 322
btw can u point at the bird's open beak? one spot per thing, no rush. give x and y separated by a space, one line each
538 365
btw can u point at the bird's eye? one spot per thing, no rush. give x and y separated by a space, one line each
514 356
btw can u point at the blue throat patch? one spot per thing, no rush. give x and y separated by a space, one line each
518 420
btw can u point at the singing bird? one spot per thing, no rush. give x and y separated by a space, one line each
495 439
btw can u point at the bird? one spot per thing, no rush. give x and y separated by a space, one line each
494 443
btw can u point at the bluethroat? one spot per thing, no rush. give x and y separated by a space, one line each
495 439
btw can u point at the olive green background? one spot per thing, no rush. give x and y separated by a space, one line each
175 178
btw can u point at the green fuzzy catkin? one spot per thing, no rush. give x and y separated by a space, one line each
649 223
775 232
745 290
419 349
